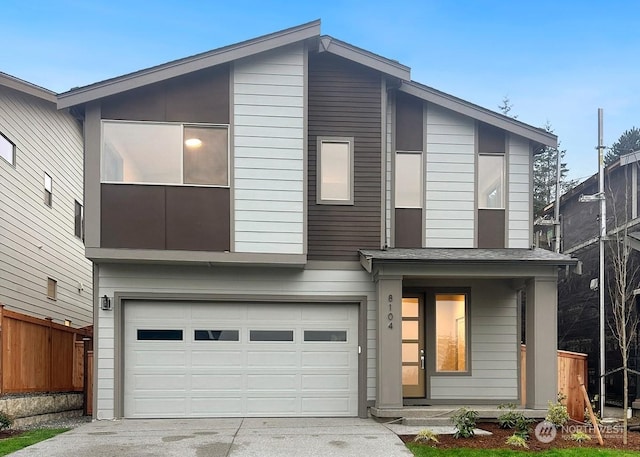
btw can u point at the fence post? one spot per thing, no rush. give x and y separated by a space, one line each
50 345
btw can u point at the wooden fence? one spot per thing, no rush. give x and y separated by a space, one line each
38 355
570 365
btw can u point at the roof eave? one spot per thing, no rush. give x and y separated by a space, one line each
180 67
27 88
364 57
476 112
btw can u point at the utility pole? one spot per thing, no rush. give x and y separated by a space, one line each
556 206
603 236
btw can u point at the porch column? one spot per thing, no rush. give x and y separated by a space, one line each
389 363
542 341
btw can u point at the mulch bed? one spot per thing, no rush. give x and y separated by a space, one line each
9 433
612 439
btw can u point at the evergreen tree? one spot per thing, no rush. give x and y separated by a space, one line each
628 142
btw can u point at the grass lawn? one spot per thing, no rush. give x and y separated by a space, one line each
13 444
423 451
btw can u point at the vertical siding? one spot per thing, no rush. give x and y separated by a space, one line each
450 179
345 100
268 94
187 280
494 348
37 241
519 224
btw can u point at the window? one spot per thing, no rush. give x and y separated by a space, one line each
79 221
159 335
7 150
216 335
451 332
48 190
491 182
335 171
52 289
164 153
271 335
325 335
408 180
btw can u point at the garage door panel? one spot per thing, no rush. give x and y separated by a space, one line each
222 371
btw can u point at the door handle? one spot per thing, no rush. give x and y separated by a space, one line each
422 359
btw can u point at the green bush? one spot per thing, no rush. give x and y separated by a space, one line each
580 437
557 413
464 421
517 441
515 419
425 436
5 421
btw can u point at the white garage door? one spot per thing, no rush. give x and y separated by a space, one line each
221 360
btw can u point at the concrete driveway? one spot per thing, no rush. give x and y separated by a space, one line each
250 437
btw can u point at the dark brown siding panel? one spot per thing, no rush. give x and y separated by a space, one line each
132 216
409 123
491 228
199 97
345 100
408 228
198 218
490 139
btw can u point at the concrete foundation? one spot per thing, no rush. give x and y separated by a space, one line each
33 409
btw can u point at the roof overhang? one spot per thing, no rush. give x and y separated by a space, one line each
26 88
363 57
481 114
455 257
181 67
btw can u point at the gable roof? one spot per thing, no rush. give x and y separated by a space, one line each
26 87
461 106
186 65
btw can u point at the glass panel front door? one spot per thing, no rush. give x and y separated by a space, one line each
413 361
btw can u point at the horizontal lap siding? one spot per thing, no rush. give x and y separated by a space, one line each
345 101
519 216
494 348
37 241
268 96
450 179
234 281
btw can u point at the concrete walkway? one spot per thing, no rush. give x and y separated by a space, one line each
250 437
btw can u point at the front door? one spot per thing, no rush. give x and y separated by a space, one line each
413 357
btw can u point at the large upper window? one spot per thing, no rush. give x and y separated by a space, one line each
7 150
335 171
162 153
408 180
451 332
491 183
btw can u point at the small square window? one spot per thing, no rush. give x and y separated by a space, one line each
48 190
79 221
7 150
52 289
334 163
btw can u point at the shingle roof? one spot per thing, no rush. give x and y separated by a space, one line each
460 255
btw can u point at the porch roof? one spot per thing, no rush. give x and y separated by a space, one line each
467 256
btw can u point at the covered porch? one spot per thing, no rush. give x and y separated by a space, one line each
449 329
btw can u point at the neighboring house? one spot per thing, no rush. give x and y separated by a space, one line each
578 298
43 270
290 226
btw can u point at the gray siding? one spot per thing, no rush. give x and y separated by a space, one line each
519 224
188 280
269 152
345 100
450 179
389 168
36 241
494 347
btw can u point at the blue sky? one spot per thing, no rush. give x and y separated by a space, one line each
557 61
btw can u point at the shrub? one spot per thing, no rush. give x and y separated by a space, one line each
5 421
523 426
579 437
557 413
425 436
517 441
464 421
515 419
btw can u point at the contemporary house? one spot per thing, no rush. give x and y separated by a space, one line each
290 226
43 270
578 305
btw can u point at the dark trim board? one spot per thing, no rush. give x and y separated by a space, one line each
120 299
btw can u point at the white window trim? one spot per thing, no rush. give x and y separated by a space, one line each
334 139
183 125
504 180
48 192
422 180
12 162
